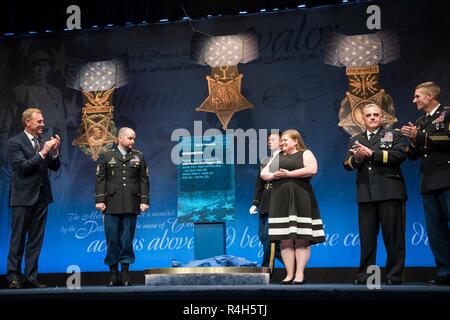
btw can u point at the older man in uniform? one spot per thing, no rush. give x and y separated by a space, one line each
377 154
121 192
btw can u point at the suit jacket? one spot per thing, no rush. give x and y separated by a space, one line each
380 177
122 181
29 172
433 146
261 197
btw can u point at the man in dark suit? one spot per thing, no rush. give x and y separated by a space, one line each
121 192
31 193
376 154
429 139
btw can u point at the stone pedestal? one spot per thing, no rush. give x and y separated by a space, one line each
207 276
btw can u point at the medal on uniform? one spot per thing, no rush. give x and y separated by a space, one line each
136 161
222 54
361 55
439 121
387 140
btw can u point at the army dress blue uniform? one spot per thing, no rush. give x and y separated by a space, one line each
381 196
122 183
261 200
432 145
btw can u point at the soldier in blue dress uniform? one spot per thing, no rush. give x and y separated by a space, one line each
121 193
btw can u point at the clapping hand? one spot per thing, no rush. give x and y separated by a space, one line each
360 151
57 142
50 145
409 131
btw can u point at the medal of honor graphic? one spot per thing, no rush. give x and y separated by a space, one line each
97 131
360 55
225 96
97 81
222 54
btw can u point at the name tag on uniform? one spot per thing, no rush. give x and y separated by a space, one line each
112 161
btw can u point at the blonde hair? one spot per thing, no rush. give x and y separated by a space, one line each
28 114
431 87
295 135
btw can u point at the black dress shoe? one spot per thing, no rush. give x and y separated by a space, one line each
298 282
440 281
358 282
113 283
125 276
14 284
390 282
286 281
114 276
33 285
127 283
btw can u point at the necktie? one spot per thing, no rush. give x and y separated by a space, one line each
427 117
37 147
371 136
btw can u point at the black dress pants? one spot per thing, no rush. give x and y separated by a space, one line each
27 235
390 215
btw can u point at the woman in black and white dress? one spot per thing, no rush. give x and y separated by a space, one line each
294 216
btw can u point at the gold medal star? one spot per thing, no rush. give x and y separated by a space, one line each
225 96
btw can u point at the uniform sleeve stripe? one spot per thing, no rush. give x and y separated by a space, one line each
348 162
439 138
385 156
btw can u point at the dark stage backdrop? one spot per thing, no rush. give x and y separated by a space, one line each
290 87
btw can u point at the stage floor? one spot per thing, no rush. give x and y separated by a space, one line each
230 302
407 291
